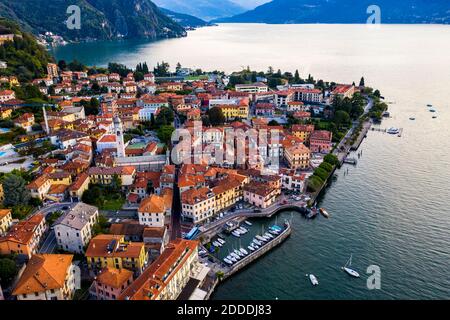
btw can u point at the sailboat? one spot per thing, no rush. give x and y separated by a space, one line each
349 270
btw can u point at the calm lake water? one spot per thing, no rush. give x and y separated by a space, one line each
393 208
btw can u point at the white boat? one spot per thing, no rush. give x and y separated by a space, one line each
245 252
251 248
236 234
216 244
243 230
248 223
393 130
239 253
313 280
267 234
235 256
257 242
229 262
349 270
260 238
232 258
221 241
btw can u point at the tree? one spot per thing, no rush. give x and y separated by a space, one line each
361 82
216 116
342 119
296 76
164 117
165 133
161 69
116 183
15 191
8 270
331 159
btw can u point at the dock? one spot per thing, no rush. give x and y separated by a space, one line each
253 256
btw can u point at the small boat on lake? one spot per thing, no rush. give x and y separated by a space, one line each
248 223
349 270
412 118
324 213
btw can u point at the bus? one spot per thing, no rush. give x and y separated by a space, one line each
193 233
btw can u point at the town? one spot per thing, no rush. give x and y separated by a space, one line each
95 176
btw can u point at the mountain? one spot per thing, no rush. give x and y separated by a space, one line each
185 20
100 19
24 57
345 11
204 9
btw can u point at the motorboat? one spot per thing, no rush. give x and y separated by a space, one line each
267 234
245 252
313 280
434 117
393 130
432 110
262 239
216 244
349 270
239 253
243 230
324 213
235 256
257 242
221 241
248 223
229 262
236 234
412 118
251 248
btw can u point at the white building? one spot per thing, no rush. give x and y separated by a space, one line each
152 211
74 229
257 87
198 205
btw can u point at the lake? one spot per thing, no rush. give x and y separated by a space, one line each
392 209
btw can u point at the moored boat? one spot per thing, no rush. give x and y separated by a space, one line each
236 234
248 223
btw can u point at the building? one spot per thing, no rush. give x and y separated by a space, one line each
282 98
343 91
80 185
73 230
7 37
5 220
6 95
198 205
52 70
118 129
232 112
166 277
110 283
297 156
308 95
257 87
24 237
260 194
321 141
25 121
302 131
153 210
105 176
113 251
47 277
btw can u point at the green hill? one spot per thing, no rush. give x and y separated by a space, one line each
25 58
100 19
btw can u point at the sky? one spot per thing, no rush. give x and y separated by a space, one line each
250 4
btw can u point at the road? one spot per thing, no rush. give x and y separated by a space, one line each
49 244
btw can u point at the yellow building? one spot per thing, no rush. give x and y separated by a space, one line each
5 220
302 131
297 156
228 191
113 251
233 111
5 113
